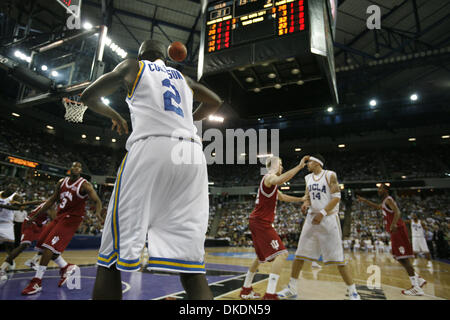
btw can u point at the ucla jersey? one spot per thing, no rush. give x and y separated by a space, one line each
417 229
160 104
319 190
6 215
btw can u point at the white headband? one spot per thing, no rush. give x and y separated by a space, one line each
316 160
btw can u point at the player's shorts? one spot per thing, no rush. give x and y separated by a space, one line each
401 247
419 244
57 235
159 198
266 241
323 239
6 232
30 232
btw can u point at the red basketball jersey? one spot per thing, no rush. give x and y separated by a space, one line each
389 215
71 202
266 203
42 219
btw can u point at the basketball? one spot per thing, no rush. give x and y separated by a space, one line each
177 51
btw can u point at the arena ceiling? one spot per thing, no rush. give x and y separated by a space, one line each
410 53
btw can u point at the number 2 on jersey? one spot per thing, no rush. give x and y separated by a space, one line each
169 96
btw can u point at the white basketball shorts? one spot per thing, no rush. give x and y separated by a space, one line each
6 232
419 244
323 239
159 199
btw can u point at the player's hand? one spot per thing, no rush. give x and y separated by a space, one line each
304 208
393 228
317 218
119 124
303 161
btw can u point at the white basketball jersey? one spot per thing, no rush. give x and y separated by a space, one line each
6 215
417 229
160 104
319 190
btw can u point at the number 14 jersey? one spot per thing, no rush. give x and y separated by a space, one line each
319 190
160 103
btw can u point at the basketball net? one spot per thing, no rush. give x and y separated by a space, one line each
74 109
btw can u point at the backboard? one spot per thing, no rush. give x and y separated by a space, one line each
71 63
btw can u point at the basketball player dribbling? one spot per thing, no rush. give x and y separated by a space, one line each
401 247
155 197
266 241
321 232
71 193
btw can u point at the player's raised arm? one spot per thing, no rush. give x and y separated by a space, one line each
369 203
122 76
273 179
210 102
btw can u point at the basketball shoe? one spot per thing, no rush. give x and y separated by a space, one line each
354 296
33 262
413 291
287 293
66 272
249 294
421 282
270 296
3 275
315 265
33 287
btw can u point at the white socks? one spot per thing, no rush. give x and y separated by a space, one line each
272 285
414 281
352 289
293 283
249 279
40 272
60 262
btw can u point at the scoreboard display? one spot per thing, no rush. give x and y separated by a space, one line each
237 22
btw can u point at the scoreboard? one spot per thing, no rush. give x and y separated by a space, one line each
236 22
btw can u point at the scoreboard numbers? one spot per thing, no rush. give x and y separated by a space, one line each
236 22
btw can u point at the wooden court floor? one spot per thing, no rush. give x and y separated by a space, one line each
314 284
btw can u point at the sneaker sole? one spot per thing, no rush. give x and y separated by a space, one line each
32 292
288 297
250 298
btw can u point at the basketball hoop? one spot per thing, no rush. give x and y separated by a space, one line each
74 109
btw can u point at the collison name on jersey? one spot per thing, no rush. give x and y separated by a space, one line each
173 74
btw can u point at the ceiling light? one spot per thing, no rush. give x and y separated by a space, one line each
113 140
49 127
97 138
44 68
87 26
330 109
298 149
55 73
300 82
373 102
414 97
83 136
272 75
341 145
249 79
256 90
277 86
412 139
15 114
445 137
295 71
